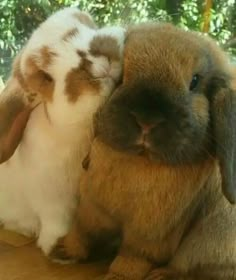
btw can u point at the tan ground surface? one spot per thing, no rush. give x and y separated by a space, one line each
21 260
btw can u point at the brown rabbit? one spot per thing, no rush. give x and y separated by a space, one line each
164 151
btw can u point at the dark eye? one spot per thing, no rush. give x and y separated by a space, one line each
195 81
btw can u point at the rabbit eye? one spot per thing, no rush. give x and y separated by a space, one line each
194 82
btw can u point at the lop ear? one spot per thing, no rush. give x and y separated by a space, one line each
86 19
24 90
36 78
14 113
223 114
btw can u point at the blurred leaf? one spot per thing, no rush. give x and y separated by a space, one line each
18 18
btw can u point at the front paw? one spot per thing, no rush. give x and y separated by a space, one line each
65 254
162 274
113 276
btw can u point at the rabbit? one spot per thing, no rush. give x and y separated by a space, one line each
161 170
66 70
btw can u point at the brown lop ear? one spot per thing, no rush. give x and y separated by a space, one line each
223 113
35 78
23 91
15 109
14 114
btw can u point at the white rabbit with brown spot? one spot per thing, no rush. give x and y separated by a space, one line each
64 73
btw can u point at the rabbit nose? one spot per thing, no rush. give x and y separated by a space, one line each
144 125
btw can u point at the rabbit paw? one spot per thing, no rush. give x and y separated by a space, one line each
162 274
113 276
60 253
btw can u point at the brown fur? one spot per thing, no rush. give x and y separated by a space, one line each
33 80
105 45
70 34
20 95
15 110
85 19
79 81
169 212
46 56
7 116
12 121
37 79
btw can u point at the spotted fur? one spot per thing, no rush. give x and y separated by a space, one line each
58 84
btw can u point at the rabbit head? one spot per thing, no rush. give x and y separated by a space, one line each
176 104
68 65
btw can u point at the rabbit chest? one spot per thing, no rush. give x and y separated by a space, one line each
136 191
42 176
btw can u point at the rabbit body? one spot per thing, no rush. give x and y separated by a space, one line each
37 185
164 151
156 228
64 75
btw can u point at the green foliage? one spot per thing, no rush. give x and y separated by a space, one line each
19 17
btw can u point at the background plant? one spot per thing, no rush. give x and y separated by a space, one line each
19 17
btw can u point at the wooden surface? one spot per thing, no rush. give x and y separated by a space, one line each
21 260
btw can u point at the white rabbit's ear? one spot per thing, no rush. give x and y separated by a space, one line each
86 19
35 76
15 109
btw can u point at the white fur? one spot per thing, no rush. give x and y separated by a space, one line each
38 184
